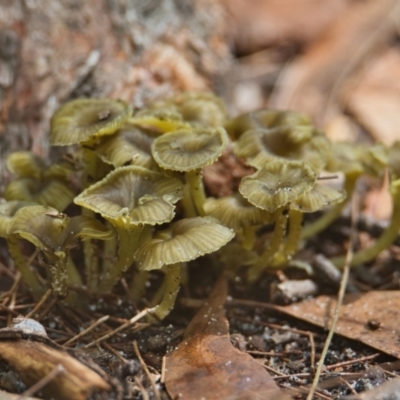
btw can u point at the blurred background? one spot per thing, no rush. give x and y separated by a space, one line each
337 60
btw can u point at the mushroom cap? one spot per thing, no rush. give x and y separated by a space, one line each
318 198
277 184
159 120
182 241
344 158
83 119
298 142
25 164
235 211
265 119
48 192
186 150
7 212
129 145
52 231
133 195
203 108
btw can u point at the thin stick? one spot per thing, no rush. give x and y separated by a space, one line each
164 363
142 389
133 320
44 381
146 370
40 303
351 362
312 345
342 290
87 330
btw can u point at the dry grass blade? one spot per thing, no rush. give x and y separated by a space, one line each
44 381
87 330
39 303
120 328
342 290
146 370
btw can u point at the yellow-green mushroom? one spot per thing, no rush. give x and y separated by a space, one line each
37 183
265 118
129 198
129 145
237 213
53 233
7 212
182 241
189 151
302 143
199 109
274 188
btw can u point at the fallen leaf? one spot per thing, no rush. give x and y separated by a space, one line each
374 99
206 365
26 349
257 24
371 318
312 78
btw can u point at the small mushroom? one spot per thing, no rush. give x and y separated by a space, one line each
53 233
237 213
182 241
159 120
203 109
344 158
385 240
81 120
189 151
37 183
7 212
129 198
129 145
274 188
302 143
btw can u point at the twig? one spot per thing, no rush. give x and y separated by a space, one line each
87 330
146 370
44 381
342 290
40 303
348 385
312 356
164 363
133 320
355 361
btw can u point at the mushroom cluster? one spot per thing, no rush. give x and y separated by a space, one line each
132 191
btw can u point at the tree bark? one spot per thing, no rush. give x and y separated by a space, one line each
52 51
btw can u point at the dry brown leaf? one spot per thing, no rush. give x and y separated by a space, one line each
374 100
371 318
9 396
309 81
256 24
206 365
33 356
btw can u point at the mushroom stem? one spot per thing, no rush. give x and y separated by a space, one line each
28 276
327 218
280 220
138 285
385 240
109 255
172 283
195 181
187 202
59 275
292 241
73 275
128 241
249 237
